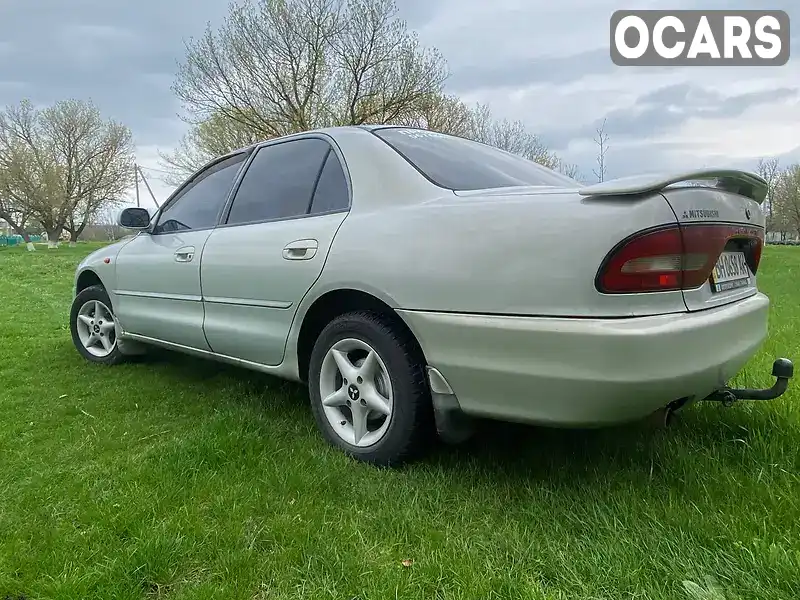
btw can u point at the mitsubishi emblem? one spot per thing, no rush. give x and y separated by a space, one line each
353 392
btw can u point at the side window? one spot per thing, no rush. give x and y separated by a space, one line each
279 181
198 205
331 193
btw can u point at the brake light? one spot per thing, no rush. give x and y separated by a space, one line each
674 258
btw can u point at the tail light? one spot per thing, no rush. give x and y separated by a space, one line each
675 257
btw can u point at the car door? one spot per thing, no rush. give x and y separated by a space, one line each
278 229
158 272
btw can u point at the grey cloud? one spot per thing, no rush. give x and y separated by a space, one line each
666 109
416 12
121 55
622 161
789 158
509 71
518 73
670 107
678 94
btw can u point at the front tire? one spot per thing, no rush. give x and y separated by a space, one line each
93 327
368 389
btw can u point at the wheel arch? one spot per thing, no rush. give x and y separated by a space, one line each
332 304
87 278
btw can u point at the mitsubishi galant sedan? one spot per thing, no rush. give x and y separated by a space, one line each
415 281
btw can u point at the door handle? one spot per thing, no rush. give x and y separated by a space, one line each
300 250
185 254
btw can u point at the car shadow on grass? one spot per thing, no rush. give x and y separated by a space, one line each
729 446
733 436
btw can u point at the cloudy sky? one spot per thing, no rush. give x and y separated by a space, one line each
544 62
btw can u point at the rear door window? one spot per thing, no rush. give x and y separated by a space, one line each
280 181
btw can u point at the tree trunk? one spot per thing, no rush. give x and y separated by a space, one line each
52 237
16 226
73 237
28 243
20 230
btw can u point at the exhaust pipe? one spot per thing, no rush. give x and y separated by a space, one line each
782 370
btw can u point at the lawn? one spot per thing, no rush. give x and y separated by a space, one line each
178 478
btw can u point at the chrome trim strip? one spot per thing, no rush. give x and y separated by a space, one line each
282 305
159 296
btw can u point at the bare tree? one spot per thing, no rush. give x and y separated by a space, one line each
86 212
570 170
787 201
511 136
60 158
276 67
11 211
24 176
442 113
106 220
770 171
281 66
601 139
217 135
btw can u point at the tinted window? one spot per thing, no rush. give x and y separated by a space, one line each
460 164
198 205
331 193
279 182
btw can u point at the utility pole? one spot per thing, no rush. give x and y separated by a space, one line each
152 195
136 175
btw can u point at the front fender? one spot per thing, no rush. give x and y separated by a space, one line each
102 263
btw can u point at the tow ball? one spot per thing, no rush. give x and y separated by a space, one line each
782 370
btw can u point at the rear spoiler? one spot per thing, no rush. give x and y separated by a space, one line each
743 183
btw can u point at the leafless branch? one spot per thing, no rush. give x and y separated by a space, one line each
601 139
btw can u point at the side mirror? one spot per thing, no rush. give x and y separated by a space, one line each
134 218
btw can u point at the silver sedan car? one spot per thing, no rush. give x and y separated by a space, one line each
415 281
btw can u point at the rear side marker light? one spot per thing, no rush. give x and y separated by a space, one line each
673 258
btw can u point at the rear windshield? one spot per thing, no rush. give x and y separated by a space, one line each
460 164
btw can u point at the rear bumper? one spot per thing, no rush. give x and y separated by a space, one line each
587 372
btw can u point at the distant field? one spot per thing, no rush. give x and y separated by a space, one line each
177 478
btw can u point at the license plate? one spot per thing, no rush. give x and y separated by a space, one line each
731 272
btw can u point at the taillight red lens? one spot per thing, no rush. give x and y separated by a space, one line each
651 261
674 258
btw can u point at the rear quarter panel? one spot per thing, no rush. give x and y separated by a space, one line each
536 254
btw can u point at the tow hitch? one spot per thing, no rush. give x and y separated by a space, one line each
782 370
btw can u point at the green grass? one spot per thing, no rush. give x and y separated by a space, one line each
177 478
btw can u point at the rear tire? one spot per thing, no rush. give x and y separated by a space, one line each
93 327
387 375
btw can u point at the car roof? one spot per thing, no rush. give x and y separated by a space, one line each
327 130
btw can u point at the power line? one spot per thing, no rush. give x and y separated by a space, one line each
155 170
